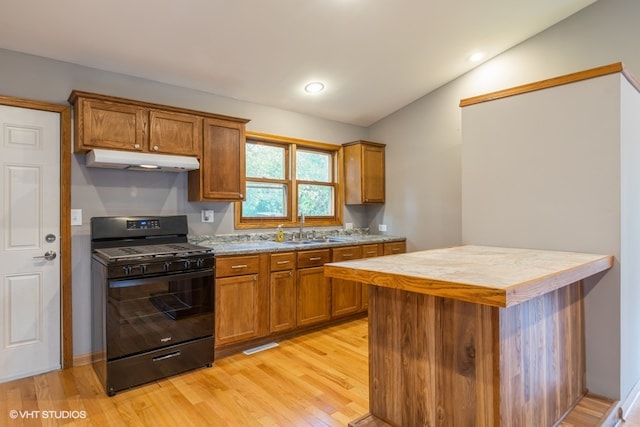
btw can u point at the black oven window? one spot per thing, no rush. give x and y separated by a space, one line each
154 312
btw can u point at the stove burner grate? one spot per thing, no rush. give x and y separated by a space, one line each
151 251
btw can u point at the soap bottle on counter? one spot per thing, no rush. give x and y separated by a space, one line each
280 236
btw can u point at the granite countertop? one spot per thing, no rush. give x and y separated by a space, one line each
494 276
244 247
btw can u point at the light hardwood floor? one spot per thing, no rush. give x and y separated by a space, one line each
320 379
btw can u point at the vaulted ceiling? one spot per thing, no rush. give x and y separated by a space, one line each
374 56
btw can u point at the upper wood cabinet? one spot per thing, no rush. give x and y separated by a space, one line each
110 122
175 133
221 176
120 124
364 172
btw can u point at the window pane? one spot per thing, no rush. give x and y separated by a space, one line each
313 166
265 200
264 161
315 200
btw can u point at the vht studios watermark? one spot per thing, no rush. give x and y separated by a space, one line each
15 414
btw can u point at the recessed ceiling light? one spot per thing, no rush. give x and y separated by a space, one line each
475 57
314 87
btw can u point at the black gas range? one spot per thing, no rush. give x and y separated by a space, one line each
153 300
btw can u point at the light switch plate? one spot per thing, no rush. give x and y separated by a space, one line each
207 215
76 216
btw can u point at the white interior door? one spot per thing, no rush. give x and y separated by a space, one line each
29 242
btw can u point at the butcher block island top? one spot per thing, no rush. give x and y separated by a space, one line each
495 276
474 335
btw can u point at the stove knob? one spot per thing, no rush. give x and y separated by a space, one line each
143 268
126 270
166 265
199 262
187 263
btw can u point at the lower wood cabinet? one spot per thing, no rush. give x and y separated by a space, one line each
282 292
346 295
260 295
314 290
236 309
239 300
393 248
369 251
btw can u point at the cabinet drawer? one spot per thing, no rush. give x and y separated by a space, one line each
370 251
392 248
237 265
283 261
313 258
346 253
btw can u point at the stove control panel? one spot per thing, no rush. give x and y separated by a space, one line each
143 224
145 268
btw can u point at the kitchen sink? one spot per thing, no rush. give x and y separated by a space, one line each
316 241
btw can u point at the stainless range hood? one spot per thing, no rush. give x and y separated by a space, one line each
128 160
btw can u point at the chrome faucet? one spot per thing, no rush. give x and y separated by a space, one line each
301 224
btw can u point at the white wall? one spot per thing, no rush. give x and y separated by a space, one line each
542 170
630 238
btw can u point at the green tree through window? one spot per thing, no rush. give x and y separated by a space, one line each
287 177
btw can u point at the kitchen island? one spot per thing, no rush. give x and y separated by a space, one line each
474 335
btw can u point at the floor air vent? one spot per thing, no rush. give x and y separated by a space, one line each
260 348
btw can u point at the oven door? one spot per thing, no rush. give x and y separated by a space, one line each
149 313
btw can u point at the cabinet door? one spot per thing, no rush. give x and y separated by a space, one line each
346 295
175 133
237 310
369 251
109 125
314 296
222 173
373 174
282 307
364 172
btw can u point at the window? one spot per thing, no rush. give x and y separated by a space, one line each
286 177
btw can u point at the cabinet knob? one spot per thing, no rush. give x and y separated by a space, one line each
155 148
136 146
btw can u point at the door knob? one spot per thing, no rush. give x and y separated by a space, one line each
49 256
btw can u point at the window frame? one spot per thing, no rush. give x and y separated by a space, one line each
292 219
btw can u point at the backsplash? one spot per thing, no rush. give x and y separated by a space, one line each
271 236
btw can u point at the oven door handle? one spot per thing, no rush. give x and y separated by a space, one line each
166 356
124 282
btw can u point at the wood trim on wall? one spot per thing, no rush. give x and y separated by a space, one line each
617 67
65 214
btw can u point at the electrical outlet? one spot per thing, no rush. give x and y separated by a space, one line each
207 215
382 227
76 216
348 226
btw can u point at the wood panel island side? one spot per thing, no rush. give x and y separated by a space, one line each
474 335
